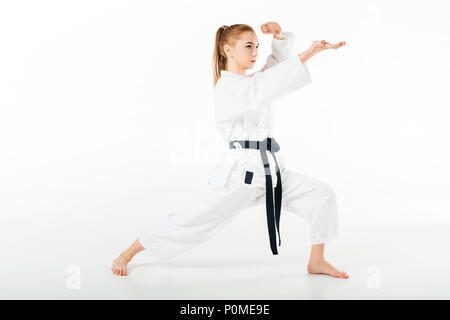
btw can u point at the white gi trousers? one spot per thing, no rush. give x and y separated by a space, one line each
214 208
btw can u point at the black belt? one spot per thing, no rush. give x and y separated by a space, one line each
273 213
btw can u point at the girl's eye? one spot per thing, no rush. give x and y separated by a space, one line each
250 46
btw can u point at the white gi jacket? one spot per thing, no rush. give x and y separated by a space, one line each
243 111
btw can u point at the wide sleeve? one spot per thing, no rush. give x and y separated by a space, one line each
281 50
273 83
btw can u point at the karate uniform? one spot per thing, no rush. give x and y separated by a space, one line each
244 111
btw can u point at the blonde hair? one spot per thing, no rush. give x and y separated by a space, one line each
225 35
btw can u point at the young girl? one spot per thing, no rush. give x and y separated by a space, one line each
250 168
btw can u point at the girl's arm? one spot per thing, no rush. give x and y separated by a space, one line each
282 48
282 44
316 47
281 79
253 91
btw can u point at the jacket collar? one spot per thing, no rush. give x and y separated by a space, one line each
230 74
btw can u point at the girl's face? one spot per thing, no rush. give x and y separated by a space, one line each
245 52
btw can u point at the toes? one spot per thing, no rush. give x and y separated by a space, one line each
117 270
336 274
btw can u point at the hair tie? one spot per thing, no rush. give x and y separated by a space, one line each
222 30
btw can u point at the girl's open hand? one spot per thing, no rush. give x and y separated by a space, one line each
271 27
323 45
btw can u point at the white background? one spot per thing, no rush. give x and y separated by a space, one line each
106 121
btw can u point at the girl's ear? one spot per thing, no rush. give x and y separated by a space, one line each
226 48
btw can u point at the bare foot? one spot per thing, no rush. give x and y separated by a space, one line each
119 266
324 267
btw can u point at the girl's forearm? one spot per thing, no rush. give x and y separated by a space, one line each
308 53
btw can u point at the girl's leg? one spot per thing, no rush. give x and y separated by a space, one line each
318 264
190 225
119 266
315 201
